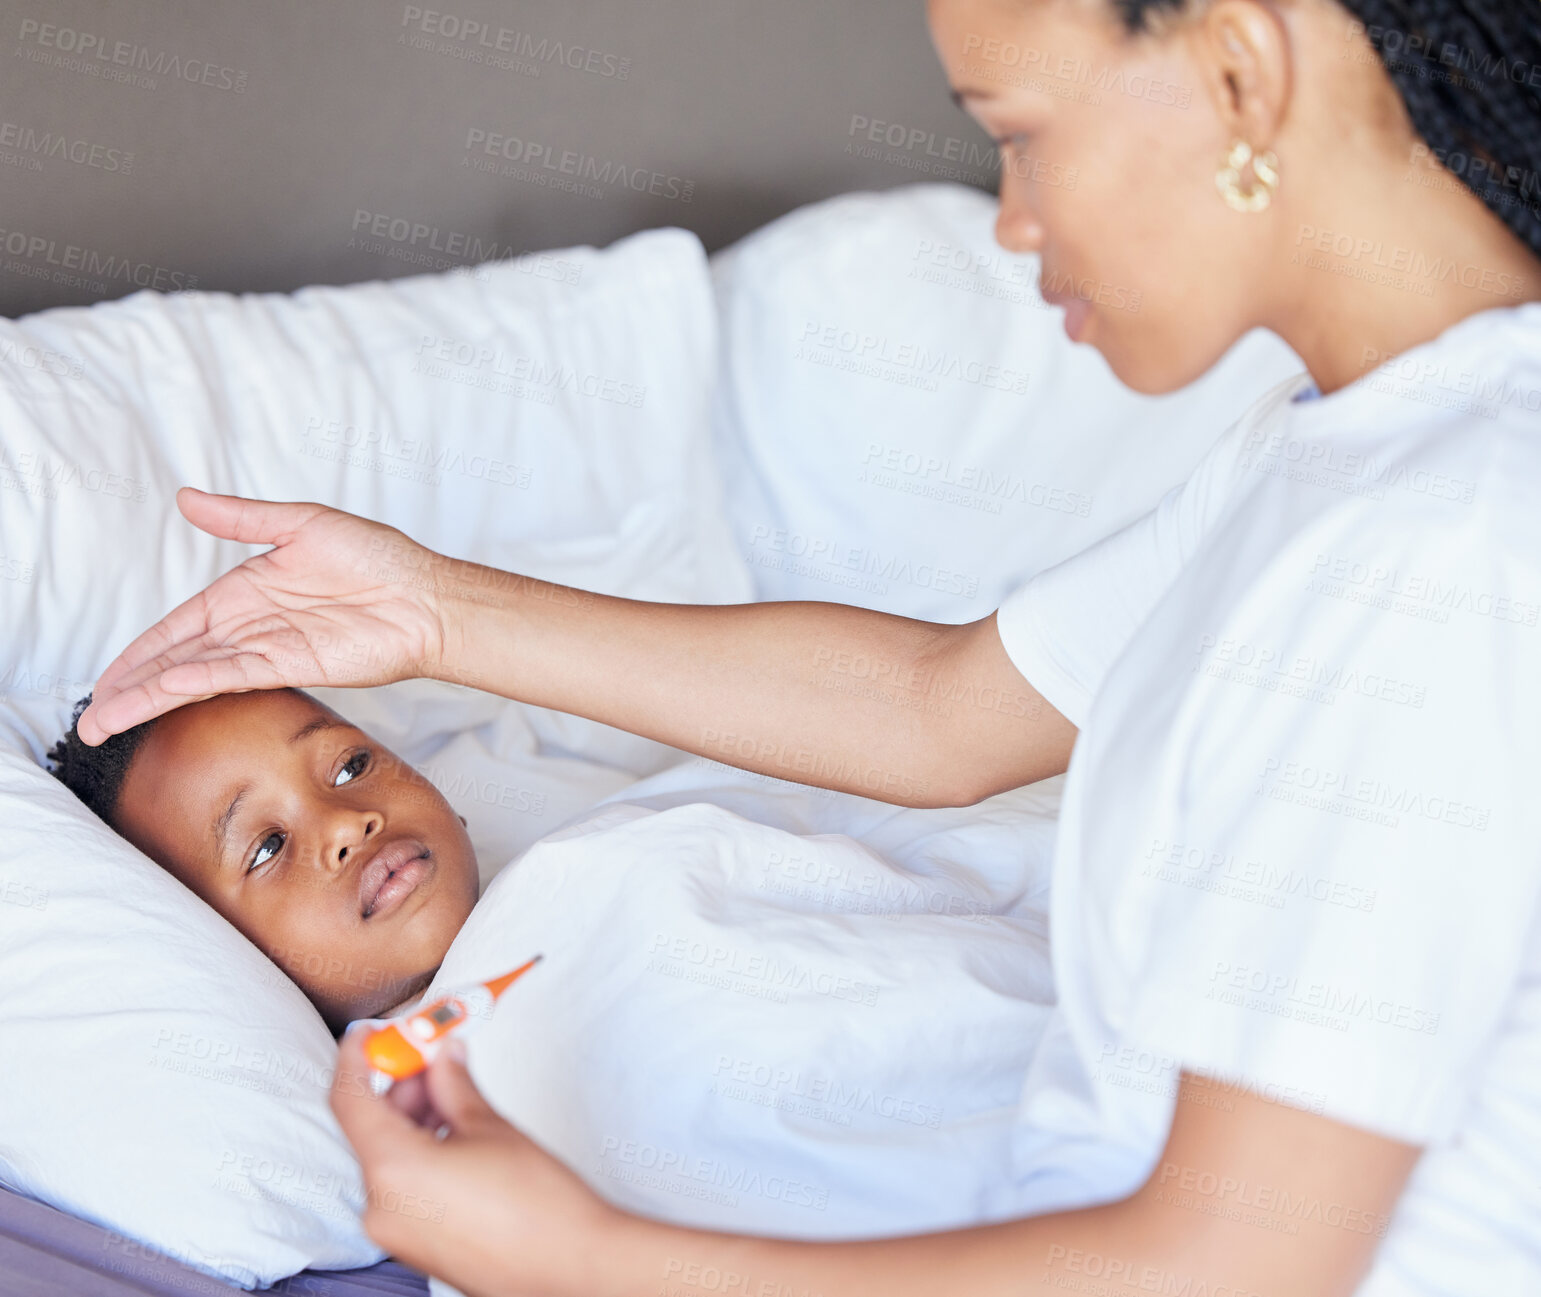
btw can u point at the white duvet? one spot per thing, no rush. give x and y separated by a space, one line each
760 1024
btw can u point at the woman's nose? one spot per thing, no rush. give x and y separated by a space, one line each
1017 229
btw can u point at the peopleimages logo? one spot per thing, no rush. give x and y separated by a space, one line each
948 148
1074 71
1416 263
49 144
879 355
541 159
1328 789
96 49
44 252
673 1169
918 149
471 33
484 364
456 245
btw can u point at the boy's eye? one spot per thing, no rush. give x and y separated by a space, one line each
1014 141
259 858
352 768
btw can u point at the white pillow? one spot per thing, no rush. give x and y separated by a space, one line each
547 415
165 1079
903 423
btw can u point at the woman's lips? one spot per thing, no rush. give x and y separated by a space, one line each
1076 310
393 873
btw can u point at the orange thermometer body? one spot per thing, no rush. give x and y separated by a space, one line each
404 1046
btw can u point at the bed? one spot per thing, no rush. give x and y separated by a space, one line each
45 1251
797 415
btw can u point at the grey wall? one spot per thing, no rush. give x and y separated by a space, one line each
233 144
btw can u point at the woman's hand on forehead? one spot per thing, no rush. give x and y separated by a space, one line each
338 601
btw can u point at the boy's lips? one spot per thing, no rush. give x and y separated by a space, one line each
391 875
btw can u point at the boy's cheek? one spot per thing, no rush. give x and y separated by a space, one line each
347 965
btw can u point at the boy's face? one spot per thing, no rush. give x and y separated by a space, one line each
309 837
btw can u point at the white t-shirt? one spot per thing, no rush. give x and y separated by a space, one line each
1300 844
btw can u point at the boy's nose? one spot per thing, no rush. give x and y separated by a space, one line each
353 838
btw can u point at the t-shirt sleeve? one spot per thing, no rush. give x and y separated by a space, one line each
1064 627
1338 875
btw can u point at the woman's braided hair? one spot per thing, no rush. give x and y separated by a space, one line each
1469 72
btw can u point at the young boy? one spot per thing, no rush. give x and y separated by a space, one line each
336 858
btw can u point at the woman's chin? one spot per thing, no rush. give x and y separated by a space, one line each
1144 373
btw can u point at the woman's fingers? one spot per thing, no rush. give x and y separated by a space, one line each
182 636
126 695
376 1129
455 1096
300 614
485 1209
188 621
411 1097
127 679
162 685
233 517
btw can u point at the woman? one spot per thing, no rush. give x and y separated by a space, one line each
1297 844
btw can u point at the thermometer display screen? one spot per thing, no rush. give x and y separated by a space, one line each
444 1015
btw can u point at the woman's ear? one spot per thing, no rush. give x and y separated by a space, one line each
1247 57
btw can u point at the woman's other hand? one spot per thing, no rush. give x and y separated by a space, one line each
339 600
481 1207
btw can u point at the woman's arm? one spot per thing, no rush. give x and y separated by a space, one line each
1249 1198
1260 1200
906 711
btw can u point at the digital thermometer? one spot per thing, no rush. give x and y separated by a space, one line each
401 1047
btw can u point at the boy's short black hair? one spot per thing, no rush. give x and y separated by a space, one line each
96 774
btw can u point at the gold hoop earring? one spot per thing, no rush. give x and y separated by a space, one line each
1265 171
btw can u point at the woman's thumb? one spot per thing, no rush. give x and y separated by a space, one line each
235 517
454 1094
